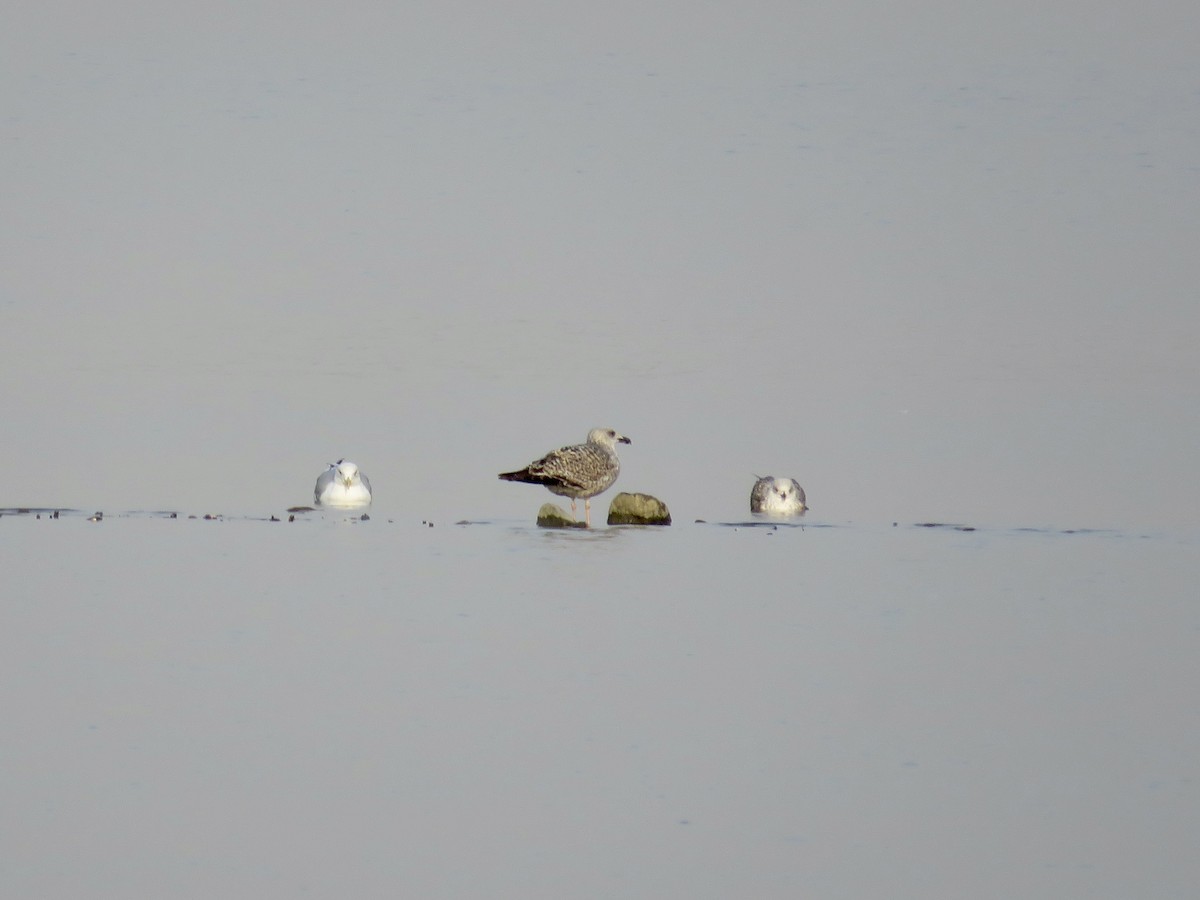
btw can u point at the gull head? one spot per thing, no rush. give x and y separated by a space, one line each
788 492
347 472
608 437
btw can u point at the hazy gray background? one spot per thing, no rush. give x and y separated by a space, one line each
935 261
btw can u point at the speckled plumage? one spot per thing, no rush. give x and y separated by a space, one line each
578 471
779 496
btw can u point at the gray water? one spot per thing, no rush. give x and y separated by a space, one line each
335 708
938 264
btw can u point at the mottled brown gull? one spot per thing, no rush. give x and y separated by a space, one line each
580 470
342 484
777 496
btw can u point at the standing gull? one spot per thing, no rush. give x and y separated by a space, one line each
342 485
581 470
779 496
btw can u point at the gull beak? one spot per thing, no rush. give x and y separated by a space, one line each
624 440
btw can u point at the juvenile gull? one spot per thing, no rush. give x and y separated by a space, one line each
778 496
580 470
342 485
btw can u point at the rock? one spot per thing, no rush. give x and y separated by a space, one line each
638 509
551 515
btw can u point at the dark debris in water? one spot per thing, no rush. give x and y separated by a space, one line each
50 512
767 525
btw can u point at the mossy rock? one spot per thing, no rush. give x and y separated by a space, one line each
551 515
638 509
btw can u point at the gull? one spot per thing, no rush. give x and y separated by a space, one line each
778 496
342 485
580 470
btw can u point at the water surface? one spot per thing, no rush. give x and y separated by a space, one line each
242 707
938 266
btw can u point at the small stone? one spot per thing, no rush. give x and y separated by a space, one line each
551 515
638 509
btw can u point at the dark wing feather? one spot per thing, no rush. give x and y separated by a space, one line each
759 494
567 467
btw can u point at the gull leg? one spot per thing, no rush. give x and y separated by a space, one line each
574 514
587 512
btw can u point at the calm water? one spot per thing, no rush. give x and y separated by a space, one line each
938 267
245 708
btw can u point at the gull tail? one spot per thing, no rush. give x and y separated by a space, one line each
523 475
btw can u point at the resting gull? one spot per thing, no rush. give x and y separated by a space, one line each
342 485
778 496
581 470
